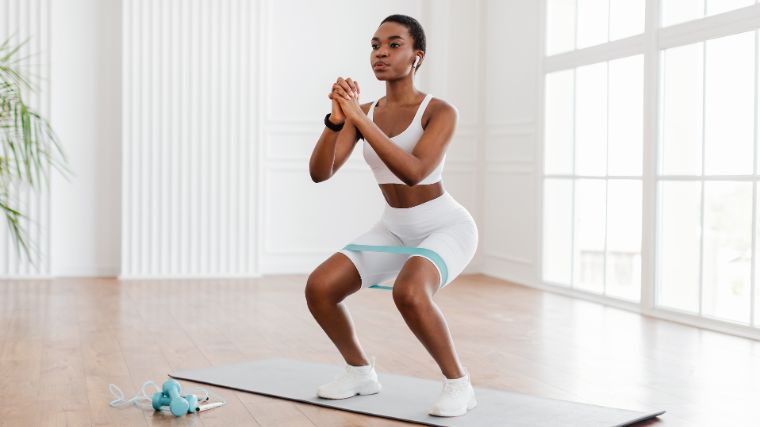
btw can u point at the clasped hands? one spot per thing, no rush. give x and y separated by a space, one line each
345 101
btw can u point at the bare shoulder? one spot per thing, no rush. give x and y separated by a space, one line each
440 109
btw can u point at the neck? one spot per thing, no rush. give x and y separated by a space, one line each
400 92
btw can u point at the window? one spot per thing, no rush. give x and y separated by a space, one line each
706 178
596 21
678 11
592 198
697 86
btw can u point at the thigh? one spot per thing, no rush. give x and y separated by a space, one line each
376 267
417 277
451 247
334 279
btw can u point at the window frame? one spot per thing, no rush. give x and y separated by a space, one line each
651 44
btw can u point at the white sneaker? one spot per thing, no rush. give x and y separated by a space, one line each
356 380
456 399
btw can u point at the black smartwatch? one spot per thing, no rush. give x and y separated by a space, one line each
332 126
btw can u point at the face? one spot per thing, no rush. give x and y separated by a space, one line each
393 53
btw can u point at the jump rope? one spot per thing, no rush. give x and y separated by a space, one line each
167 396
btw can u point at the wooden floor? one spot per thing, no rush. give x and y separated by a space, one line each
63 341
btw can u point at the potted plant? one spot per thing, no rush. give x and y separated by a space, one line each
29 144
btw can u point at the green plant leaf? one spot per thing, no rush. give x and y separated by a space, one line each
29 144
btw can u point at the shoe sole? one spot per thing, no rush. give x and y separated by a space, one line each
370 388
471 404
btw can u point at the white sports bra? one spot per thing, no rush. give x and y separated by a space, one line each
406 140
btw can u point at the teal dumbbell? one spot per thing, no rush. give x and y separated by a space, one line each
170 396
160 399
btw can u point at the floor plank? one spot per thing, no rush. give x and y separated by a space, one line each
63 341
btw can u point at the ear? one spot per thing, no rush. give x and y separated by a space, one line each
419 56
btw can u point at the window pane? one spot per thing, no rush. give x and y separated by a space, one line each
588 251
681 106
626 119
726 256
729 104
626 18
591 120
558 123
678 234
677 11
719 6
557 240
592 22
560 26
624 239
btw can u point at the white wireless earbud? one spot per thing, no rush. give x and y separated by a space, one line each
416 61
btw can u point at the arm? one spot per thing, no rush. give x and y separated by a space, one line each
333 149
331 144
347 139
412 167
321 162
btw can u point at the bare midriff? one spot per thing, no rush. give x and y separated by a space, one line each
404 196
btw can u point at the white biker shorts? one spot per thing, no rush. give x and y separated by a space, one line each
440 230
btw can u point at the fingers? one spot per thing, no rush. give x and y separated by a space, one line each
344 89
340 92
354 86
348 86
345 86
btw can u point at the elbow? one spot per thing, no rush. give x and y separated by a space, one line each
319 174
317 177
411 181
414 177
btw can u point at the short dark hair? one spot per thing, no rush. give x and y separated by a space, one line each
415 30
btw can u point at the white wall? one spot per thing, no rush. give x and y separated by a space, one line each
75 49
304 222
191 138
85 64
510 184
149 159
284 222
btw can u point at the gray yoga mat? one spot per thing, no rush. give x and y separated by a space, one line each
408 398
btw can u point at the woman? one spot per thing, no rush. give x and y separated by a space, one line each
424 238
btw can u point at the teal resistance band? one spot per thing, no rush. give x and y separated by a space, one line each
403 250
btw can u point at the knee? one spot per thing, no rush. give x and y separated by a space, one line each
320 290
408 298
